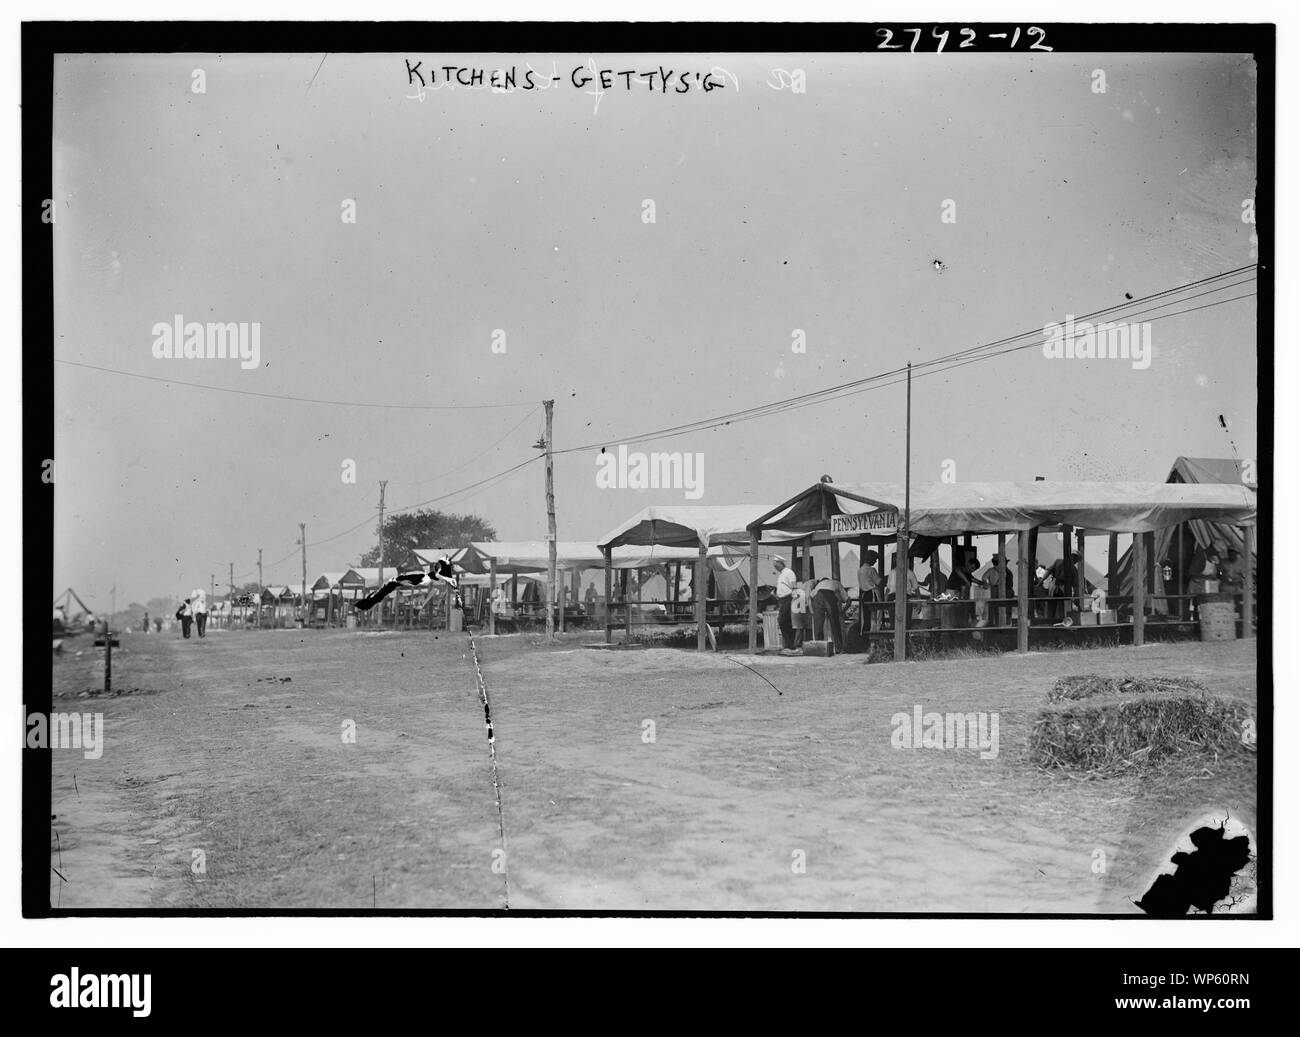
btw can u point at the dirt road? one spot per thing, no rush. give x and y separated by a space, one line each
635 780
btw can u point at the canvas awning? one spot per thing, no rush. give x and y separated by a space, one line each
686 526
531 557
942 509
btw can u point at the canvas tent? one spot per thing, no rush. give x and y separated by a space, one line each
874 513
702 531
327 595
506 561
1178 544
947 509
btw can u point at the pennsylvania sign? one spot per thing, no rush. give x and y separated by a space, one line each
875 523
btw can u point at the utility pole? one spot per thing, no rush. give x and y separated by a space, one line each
550 523
259 586
302 539
383 484
902 564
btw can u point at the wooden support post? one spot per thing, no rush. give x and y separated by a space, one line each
701 597
900 599
1181 585
1247 581
1139 589
492 596
1149 553
1022 590
609 595
936 575
753 592
1065 568
1083 590
834 545
1004 609
1112 566
627 604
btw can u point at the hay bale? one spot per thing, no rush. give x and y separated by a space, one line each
1089 685
1109 736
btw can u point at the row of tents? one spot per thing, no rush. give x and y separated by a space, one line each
650 565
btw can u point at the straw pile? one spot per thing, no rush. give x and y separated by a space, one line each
1088 685
1112 734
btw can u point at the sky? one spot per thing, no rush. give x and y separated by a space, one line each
524 212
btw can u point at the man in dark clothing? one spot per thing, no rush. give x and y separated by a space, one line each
186 617
1065 576
961 578
828 595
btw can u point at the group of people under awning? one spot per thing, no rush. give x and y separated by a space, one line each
974 594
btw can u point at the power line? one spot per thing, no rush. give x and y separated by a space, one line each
296 399
410 507
950 366
844 389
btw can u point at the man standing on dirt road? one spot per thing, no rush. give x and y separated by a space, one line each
785 585
186 616
200 600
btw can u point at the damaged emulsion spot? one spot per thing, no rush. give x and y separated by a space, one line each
1202 879
496 778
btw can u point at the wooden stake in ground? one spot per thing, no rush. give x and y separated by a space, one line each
108 659
550 523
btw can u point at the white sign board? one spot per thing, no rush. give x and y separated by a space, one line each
873 523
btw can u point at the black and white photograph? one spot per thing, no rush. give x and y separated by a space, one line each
633 469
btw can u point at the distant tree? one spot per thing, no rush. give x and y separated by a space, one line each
405 532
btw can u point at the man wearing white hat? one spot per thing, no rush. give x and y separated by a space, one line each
785 585
199 606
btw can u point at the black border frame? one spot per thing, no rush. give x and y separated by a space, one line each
42 40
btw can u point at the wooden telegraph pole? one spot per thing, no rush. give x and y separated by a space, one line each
383 485
259 589
901 566
550 523
302 529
